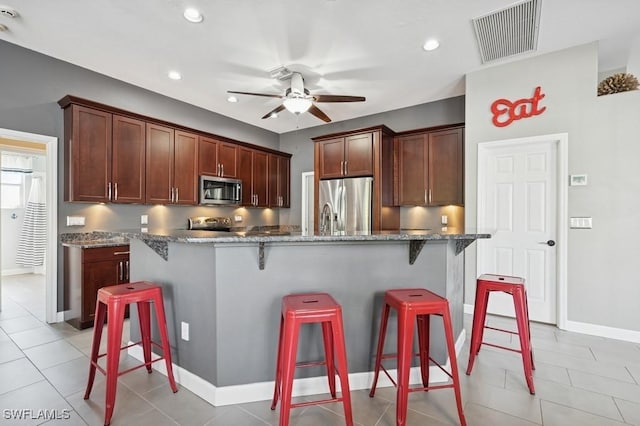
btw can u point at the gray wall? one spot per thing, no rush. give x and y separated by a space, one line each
603 143
447 111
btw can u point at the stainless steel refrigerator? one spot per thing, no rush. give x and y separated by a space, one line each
344 205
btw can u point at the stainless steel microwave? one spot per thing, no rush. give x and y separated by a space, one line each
220 191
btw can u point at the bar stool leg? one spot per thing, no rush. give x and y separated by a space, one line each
477 327
343 373
448 331
98 324
290 347
278 384
525 340
405 352
526 311
327 336
423 344
164 338
114 337
384 319
144 315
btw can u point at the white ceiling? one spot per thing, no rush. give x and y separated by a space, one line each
368 48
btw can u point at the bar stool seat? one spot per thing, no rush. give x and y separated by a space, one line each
298 309
514 286
415 305
113 300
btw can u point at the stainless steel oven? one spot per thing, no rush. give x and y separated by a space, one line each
220 191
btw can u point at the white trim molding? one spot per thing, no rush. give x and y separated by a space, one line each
262 391
603 331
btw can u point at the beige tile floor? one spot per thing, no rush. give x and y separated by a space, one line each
579 379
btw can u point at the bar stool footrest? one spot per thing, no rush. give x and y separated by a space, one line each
501 329
316 402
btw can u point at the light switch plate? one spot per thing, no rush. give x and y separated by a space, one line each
75 220
238 218
581 223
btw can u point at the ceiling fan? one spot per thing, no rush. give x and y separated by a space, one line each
297 99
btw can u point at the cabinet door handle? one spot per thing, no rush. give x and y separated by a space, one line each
345 166
115 191
119 253
218 169
109 191
222 167
171 194
429 195
425 196
120 268
177 194
126 265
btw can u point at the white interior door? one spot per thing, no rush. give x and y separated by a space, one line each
517 199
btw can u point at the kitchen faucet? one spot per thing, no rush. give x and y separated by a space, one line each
327 211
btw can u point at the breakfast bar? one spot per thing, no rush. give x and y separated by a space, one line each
223 292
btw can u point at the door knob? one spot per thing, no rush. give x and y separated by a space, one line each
550 243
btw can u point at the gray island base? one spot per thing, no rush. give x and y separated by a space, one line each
232 307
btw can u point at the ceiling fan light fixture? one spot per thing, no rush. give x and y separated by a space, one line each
297 105
193 15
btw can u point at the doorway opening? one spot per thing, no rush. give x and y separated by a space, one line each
522 198
40 211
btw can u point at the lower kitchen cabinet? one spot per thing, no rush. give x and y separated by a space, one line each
86 270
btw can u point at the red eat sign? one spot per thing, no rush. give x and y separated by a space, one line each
506 112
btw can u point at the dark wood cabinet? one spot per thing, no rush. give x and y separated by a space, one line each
128 160
105 156
254 173
86 270
279 171
117 156
171 166
362 152
430 168
217 158
185 168
347 156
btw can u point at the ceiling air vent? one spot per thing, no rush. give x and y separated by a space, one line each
508 31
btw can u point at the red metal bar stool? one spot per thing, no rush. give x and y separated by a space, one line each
415 305
298 309
114 299
515 287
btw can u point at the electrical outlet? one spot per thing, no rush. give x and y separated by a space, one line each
238 218
444 219
144 219
185 331
75 220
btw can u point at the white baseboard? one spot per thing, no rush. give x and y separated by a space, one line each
591 329
603 331
261 391
16 271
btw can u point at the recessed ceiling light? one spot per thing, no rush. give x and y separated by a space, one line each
193 15
431 44
175 75
273 115
3 28
232 99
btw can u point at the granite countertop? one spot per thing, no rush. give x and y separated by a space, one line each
92 240
273 235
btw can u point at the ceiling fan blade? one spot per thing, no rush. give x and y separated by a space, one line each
273 111
318 113
266 95
338 98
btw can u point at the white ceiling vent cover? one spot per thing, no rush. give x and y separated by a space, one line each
508 31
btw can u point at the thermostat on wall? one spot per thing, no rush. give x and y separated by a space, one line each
577 180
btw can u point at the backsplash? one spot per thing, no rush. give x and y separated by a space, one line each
431 217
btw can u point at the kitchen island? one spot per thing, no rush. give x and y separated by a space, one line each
228 287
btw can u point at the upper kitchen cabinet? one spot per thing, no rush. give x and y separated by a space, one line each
217 158
254 173
430 167
346 156
279 178
362 152
104 155
171 167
